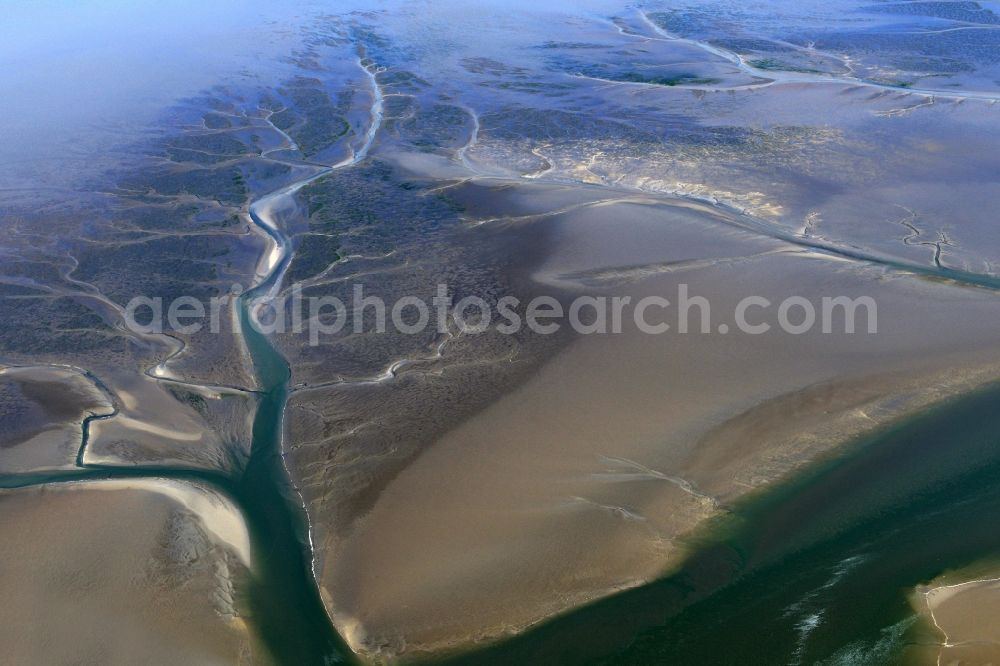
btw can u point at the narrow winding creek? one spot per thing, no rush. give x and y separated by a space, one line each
283 598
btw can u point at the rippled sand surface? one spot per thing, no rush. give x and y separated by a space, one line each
123 573
586 478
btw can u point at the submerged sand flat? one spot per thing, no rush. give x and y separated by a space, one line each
123 572
586 478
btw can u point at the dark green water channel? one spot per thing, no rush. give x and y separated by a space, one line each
282 598
816 571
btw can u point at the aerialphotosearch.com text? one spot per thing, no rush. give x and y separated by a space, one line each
683 312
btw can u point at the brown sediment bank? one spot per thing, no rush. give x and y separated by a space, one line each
961 609
124 572
43 409
164 424
585 476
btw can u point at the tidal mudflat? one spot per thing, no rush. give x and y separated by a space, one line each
674 433
308 494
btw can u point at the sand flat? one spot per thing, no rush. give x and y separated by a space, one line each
586 478
166 593
42 416
961 609
166 424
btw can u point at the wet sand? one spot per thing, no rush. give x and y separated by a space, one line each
961 609
167 592
164 424
42 416
586 478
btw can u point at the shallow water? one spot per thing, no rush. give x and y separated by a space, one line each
284 599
